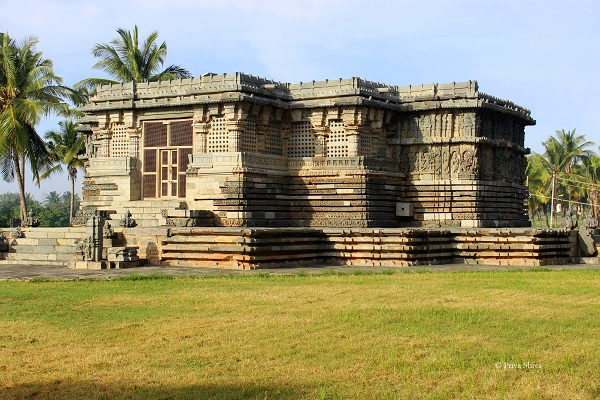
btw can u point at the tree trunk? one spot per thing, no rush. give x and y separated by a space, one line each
21 182
72 177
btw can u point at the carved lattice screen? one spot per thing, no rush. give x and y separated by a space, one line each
273 144
155 134
365 144
218 136
248 139
301 141
119 142
337 146
181 134
369 144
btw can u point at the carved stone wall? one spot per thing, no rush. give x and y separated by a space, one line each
331 153
465 167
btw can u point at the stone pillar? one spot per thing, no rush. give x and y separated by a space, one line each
235 121
104 143
93 248
201 130
321 133
377 140
134 142
285 133
89 146
262 128
261 133
353 132
236 129
318 122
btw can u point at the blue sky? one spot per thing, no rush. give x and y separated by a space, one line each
543 55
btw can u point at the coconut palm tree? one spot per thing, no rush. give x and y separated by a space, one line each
53 198
538 180
125 59
29 90
563 152
589 171
64 147
567 149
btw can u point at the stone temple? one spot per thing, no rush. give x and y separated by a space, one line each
235 150
236 171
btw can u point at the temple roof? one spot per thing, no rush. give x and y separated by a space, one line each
211 88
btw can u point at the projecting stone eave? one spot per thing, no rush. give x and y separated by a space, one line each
507 107
348 101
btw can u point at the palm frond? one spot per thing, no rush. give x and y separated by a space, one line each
126 59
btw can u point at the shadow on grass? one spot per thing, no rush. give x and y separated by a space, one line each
92 390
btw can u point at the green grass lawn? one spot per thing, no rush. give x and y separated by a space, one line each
467 335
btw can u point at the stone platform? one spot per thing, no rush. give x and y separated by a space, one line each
244 248
251 248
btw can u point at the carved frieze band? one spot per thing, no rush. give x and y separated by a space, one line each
466 161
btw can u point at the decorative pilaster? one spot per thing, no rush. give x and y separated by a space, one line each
286 127
354 119
134 142
201 130
104 143
262 128
321 133
261 133
352 133
377 138
235 128
319 128
235 122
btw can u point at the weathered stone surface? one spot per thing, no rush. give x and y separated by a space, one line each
363 246
248 151
587 244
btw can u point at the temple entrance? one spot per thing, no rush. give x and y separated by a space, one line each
167 145
168 173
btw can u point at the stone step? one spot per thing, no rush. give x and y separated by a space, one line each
33 262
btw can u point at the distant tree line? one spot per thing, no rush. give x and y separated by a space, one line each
564 179
53 211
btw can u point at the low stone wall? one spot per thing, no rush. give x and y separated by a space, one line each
244 248
255 248
42 246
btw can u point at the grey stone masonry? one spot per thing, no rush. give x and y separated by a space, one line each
240 150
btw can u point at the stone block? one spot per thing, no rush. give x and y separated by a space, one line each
67 242
74 235
24 249
47 242
56 234
45 249
87 265
25 241
66 249
66 256
30 256
35 234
